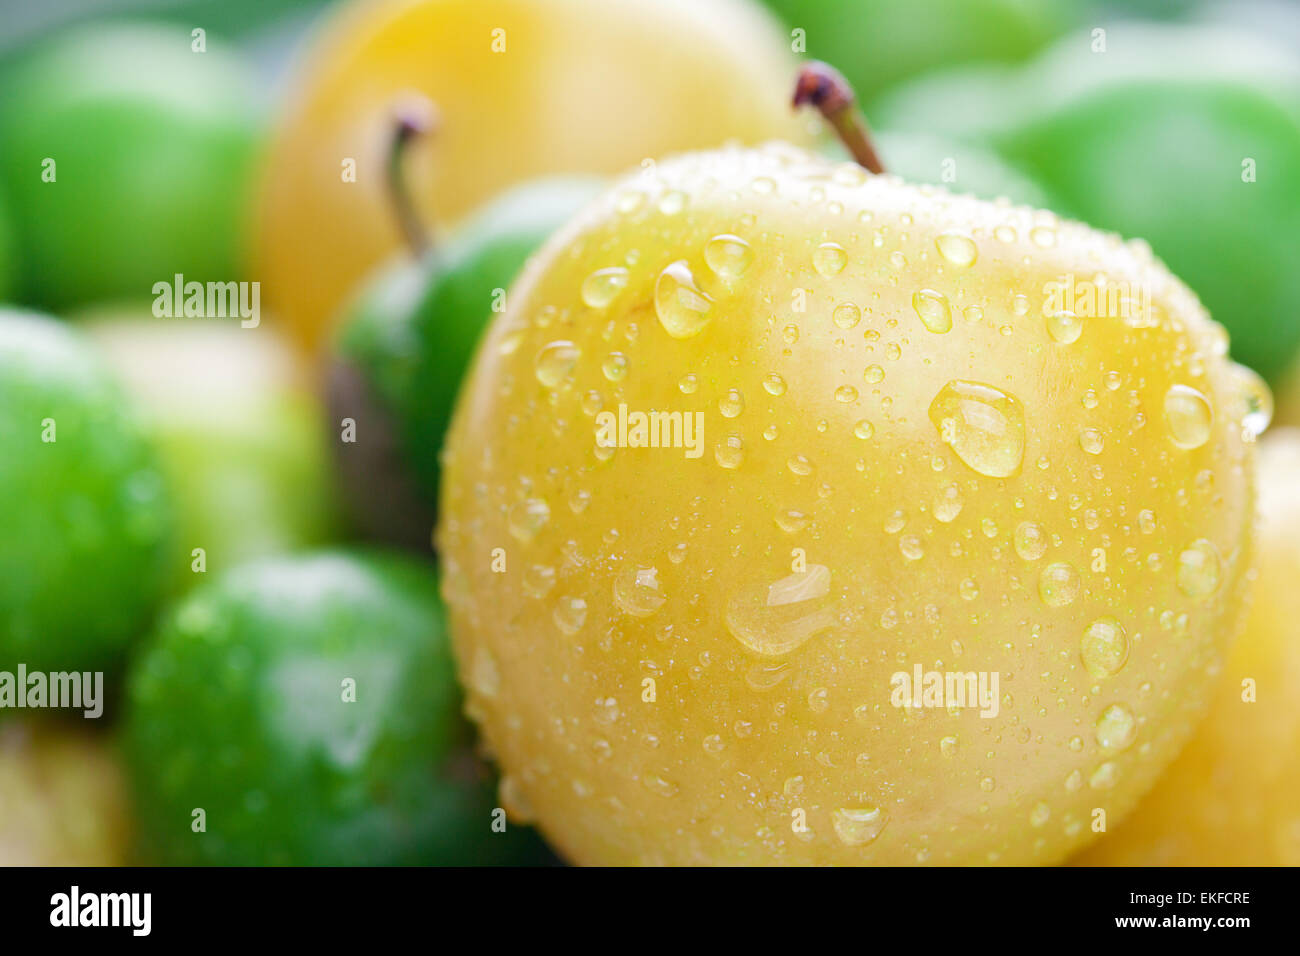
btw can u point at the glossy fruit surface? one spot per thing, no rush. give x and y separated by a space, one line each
84 515
308 706
413 333
152 146
911 457
241 437
516 90
1230 797
63 799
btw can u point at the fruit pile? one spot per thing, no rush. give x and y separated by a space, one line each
799 492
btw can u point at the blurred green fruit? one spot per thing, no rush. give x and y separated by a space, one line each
84 516
127 160
877 43
309 706
62 797
1187 137
404 345
957 166
240 434
8 272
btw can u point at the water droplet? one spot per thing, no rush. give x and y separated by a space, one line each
683 309
863 429
1090 440
659 785
1105 776
983 425
730 452
874 375
1030 541
799 465
791 521
1042 237
615 366
555 361
1256 401
829 259
846 315
1064 327
958 249
538 580
688 384
484 676
858 826
1058 584
570 614
603 286
933 309
1040 814
1189 416
732 403
1104 647
636 591
947 503
764 675
1198 569
728 256
911 546
948 746
776 619
1116 727
846 394
774 384
527 518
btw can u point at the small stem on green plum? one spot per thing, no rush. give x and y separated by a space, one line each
821 85
414 116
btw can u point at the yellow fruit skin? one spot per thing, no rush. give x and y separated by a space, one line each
63 798
581 86
736 742
1232 798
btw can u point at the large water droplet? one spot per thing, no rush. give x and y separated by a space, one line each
829 259
858 826
776 619
1256 401
947 503
958 249
555 361
527 518
933 309
1116 727
1058 584
1064 327
728 256
1189 416
1198 569
846 315
636 591
983 425
1104 647
683 309
603 286
570 614
1030 541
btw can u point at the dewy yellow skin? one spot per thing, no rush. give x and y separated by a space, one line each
1232 798
907 465
523 89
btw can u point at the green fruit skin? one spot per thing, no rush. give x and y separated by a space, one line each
7 254
85 520
241 439
877 43
237 707
1163 161
414 333
154 149
959 167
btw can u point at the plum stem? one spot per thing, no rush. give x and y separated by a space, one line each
413 116
821 85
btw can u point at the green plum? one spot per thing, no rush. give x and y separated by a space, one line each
84 513
127 159
8 275
1185 136
308 707
407 340
240 435
878 43
958 166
